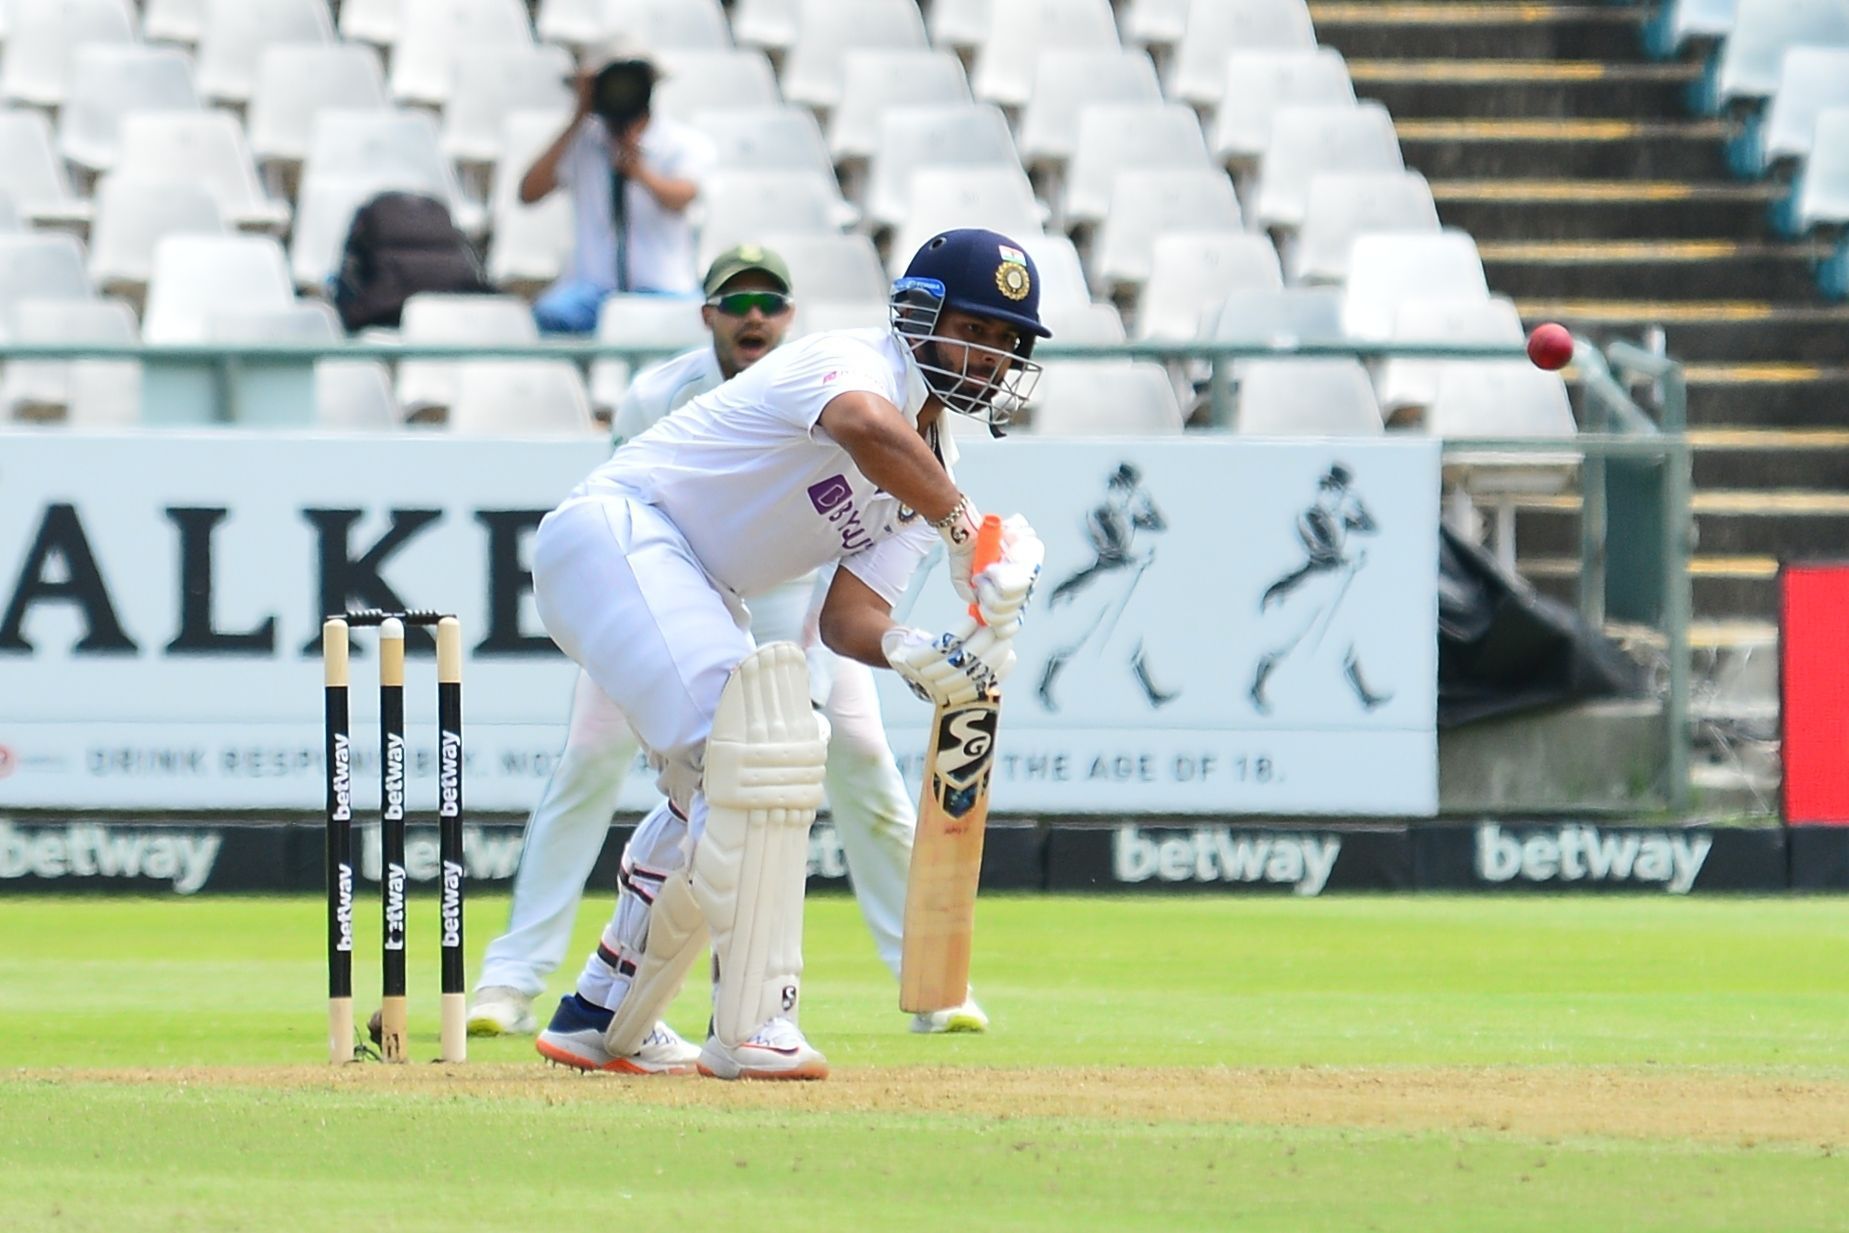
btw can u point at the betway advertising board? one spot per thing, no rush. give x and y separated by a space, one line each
1223 626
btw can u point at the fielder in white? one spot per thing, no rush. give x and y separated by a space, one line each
829 449
748 311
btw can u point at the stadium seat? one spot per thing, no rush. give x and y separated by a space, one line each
741 205
1079 398
489 82
1279 318
1809 79
1258 83
641 321
86 394
1086 324
874 79
1192 272
814 72
1154 23
960 25
1386 268
829 267
32 175
197 277
133 216
394 149
998 198
783 137
110 80
570 23
1681 21
1306 398
963 135
371 21
1065 81
1749 59
1114 137
1342 205
1056 260
1147 204
1306 139
684 25
1216 28
35 62
520 398
820 316
433 31
41 266
1403 382
1021 31
294 84
236 32
692 80
206 147
281 393
1822 189
172 21
1496 398
10 221
432 318
355 396
528 245
770 24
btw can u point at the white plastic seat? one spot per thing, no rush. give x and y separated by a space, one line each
820 316
1306 398
276 393
1020 31
206 147
110 80
732 77
1386 268
355 396
570 23
1154 23
294 84
1810 79
960 25
1146 204
1762 30
520 398
433 318
874 79
669 325
172 21
489 82
778 138
236 32
1116 137
1192 271
829 267
133 216
770 24
742 205
1083 398
816 67
394 149
1257 83
1279 318
32 175
1056 260
1496 398
693 25
1306 139
1343 205
1066 80
196 278
377 22
1686 20
962 135
324 210
41 266
998 198
1197 70
1085 324
528 245
1403 382
43 35
85 393
1823 186
10 221
431 32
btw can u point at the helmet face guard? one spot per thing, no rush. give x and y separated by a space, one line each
917 305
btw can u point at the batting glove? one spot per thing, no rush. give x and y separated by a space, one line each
952 668
1003 589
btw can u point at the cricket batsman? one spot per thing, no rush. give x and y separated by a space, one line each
830 449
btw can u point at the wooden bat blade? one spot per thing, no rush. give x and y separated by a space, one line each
940 894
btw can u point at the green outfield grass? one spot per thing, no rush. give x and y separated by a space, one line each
1188 1063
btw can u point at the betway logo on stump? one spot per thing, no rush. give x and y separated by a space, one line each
1580 853
87 850
1219 854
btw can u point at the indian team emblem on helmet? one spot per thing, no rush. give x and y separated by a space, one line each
1011 277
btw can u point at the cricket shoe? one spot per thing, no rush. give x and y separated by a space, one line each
968 1017
777 1050
501 1010
575 1038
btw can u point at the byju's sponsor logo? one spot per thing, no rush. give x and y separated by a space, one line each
833 499
88 850
1219 854
1580 853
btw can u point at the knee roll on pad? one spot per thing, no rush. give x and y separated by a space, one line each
763 784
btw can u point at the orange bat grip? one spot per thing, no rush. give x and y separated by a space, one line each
988 551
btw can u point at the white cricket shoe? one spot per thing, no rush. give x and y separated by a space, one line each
777 1050
501 1010
968 1017
574 1038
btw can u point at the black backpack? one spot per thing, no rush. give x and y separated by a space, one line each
400 244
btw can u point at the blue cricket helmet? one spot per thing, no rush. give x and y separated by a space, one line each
983 272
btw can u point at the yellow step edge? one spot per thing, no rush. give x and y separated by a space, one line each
1566 190
1769 438
1447 14
1767 373
1653 310
1563 129
1698 567
1500 70
1769 502
1613 250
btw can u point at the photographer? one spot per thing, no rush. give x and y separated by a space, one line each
632 177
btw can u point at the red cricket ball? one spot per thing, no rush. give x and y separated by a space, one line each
1550 346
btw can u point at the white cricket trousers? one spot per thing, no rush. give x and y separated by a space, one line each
873 814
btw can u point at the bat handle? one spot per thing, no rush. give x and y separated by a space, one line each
987 552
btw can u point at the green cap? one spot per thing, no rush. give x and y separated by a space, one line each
735 261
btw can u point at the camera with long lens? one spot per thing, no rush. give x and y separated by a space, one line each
620 93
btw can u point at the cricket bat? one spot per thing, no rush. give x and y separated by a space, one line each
953 810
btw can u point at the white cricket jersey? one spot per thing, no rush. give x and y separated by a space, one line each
664 387
760 491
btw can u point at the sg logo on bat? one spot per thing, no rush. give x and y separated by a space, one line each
965 755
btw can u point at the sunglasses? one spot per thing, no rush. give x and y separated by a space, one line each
738 303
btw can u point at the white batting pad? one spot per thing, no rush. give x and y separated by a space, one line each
763 784
675 932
